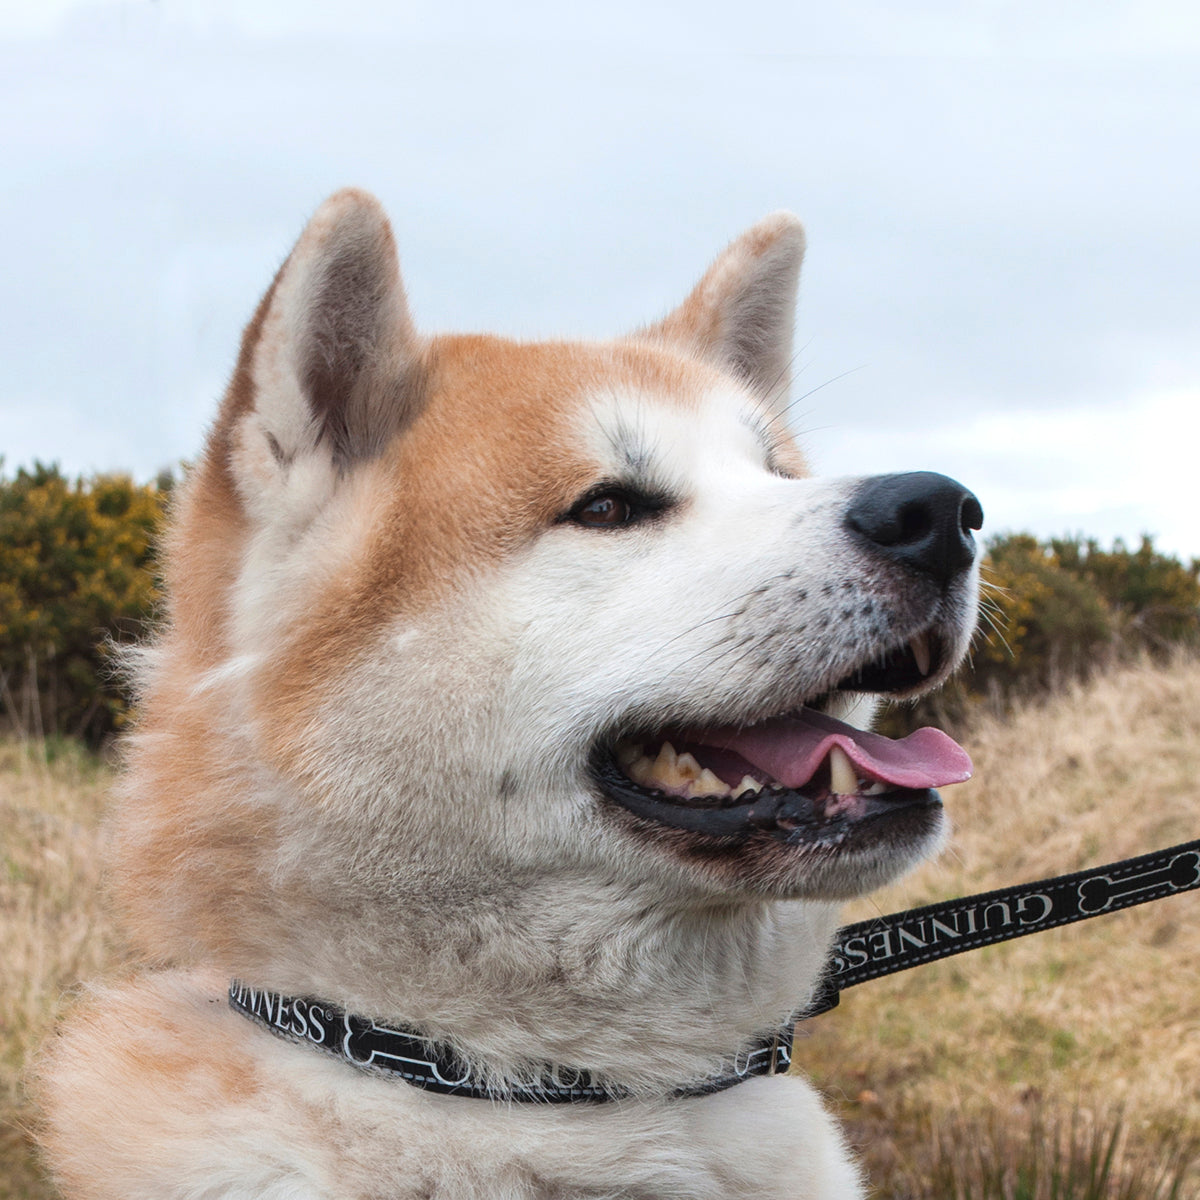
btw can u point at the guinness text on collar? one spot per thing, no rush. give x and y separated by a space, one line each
437 1067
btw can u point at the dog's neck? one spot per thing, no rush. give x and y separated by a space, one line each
643 997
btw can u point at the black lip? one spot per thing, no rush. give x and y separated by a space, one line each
782 814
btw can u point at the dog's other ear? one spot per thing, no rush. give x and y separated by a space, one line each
741 315
328 372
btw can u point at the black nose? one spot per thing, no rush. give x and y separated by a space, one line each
920 519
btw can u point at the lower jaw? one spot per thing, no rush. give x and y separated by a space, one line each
885 835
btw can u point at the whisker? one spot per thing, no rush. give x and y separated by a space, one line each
783 414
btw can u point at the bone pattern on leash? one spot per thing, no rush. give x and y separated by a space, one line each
1098 892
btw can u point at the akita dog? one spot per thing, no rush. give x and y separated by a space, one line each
495 784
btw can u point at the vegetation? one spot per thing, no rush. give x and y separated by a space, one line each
1077 1157
76 576
1066 606
54 928
1057 611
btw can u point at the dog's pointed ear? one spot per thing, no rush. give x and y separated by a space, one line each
328 372
741 314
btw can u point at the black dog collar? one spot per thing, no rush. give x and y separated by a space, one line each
437 1068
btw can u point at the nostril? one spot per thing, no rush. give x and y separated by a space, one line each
971 514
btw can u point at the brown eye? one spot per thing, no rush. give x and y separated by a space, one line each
615 506
604 511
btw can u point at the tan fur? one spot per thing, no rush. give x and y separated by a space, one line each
361 768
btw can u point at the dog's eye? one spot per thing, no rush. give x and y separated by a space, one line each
604 511
615 505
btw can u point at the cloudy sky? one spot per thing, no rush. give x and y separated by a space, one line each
1003 280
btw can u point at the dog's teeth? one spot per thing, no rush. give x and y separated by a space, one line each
843 778
748 784
873 787
920 651
707 784
672 772
668 770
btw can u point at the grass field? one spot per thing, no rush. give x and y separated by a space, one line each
985 1063
53 925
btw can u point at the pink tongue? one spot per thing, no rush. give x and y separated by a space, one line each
790 749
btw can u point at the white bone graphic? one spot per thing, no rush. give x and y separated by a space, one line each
1100 891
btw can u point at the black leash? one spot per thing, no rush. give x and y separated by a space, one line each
882 945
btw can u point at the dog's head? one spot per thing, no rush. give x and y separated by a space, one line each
454 616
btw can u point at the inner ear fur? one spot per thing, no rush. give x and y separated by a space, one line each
334 365
741 315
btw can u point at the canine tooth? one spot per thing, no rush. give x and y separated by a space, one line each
843 778
748 784
707 784
920 650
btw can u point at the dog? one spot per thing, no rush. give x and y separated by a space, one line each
501 762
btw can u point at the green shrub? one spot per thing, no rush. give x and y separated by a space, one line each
76 576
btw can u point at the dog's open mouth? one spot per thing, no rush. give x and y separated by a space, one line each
804 778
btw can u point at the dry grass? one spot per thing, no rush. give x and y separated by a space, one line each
53 929
1098 1017
971 1058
